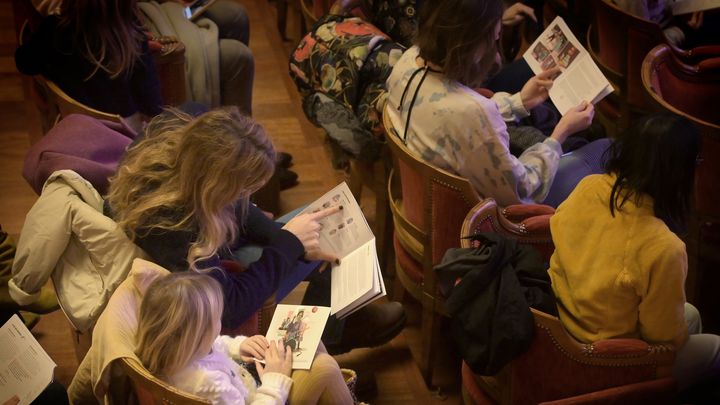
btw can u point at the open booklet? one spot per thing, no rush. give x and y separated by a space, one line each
357 280
300 328
580 80
691 6
25 368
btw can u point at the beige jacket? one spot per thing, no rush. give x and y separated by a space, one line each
67 237
202 49
113 338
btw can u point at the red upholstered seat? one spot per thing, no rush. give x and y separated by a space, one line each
618 42
557 367
692 91
428 206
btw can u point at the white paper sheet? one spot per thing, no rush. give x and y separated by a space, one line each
580 80
25 368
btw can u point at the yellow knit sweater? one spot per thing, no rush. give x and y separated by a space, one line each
620 276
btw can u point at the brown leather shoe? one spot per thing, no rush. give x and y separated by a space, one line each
373 325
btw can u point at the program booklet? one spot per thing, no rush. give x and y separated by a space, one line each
357 280
580 78
25 368
690 6
300 328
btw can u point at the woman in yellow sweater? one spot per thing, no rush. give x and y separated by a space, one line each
619 268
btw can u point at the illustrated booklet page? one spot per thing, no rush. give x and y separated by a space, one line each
300 328
25 368
580 78
357 280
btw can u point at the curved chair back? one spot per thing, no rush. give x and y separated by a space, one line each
557 366
528 224
150 390
68 105
675 87
692 93
618 41
428 206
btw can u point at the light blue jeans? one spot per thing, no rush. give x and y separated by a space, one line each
699 359
574 166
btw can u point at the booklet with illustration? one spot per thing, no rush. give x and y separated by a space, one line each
690 6
580 78
357 280
25 368
300 328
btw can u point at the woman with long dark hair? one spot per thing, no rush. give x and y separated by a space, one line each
97 53
619 267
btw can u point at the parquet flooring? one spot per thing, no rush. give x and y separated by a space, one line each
276 106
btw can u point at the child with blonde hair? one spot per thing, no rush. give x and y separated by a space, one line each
178 340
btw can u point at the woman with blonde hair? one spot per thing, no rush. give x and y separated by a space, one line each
182 194
178 341
97 53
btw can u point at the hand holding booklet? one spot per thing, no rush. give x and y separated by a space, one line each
25 368
580 78
357 280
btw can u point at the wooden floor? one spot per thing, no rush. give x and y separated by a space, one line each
276 106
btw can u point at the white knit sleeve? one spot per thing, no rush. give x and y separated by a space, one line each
217 387
273 391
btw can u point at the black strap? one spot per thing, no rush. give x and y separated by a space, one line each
425 69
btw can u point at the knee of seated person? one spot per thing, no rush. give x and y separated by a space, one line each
324 364
693 319
235 55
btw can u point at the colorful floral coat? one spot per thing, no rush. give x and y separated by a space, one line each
340 69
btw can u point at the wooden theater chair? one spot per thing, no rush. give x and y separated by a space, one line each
150 390
557 369
428 207
618 41
692 91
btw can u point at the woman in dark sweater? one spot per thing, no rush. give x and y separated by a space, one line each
97 53
182 193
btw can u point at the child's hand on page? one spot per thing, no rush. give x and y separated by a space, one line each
306 227
535 91
278 359
254 346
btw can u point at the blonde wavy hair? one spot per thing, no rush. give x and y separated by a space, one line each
178 322
190 175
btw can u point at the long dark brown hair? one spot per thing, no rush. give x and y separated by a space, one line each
657 157
452 33
108 33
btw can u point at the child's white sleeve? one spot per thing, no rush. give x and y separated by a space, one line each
217 387
229 345
274 389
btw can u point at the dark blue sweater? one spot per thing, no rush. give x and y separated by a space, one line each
244 292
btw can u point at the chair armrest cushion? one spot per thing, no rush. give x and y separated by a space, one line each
618 347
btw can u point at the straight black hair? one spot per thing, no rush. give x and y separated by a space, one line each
656 156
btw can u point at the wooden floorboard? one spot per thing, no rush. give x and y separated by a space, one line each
276 105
